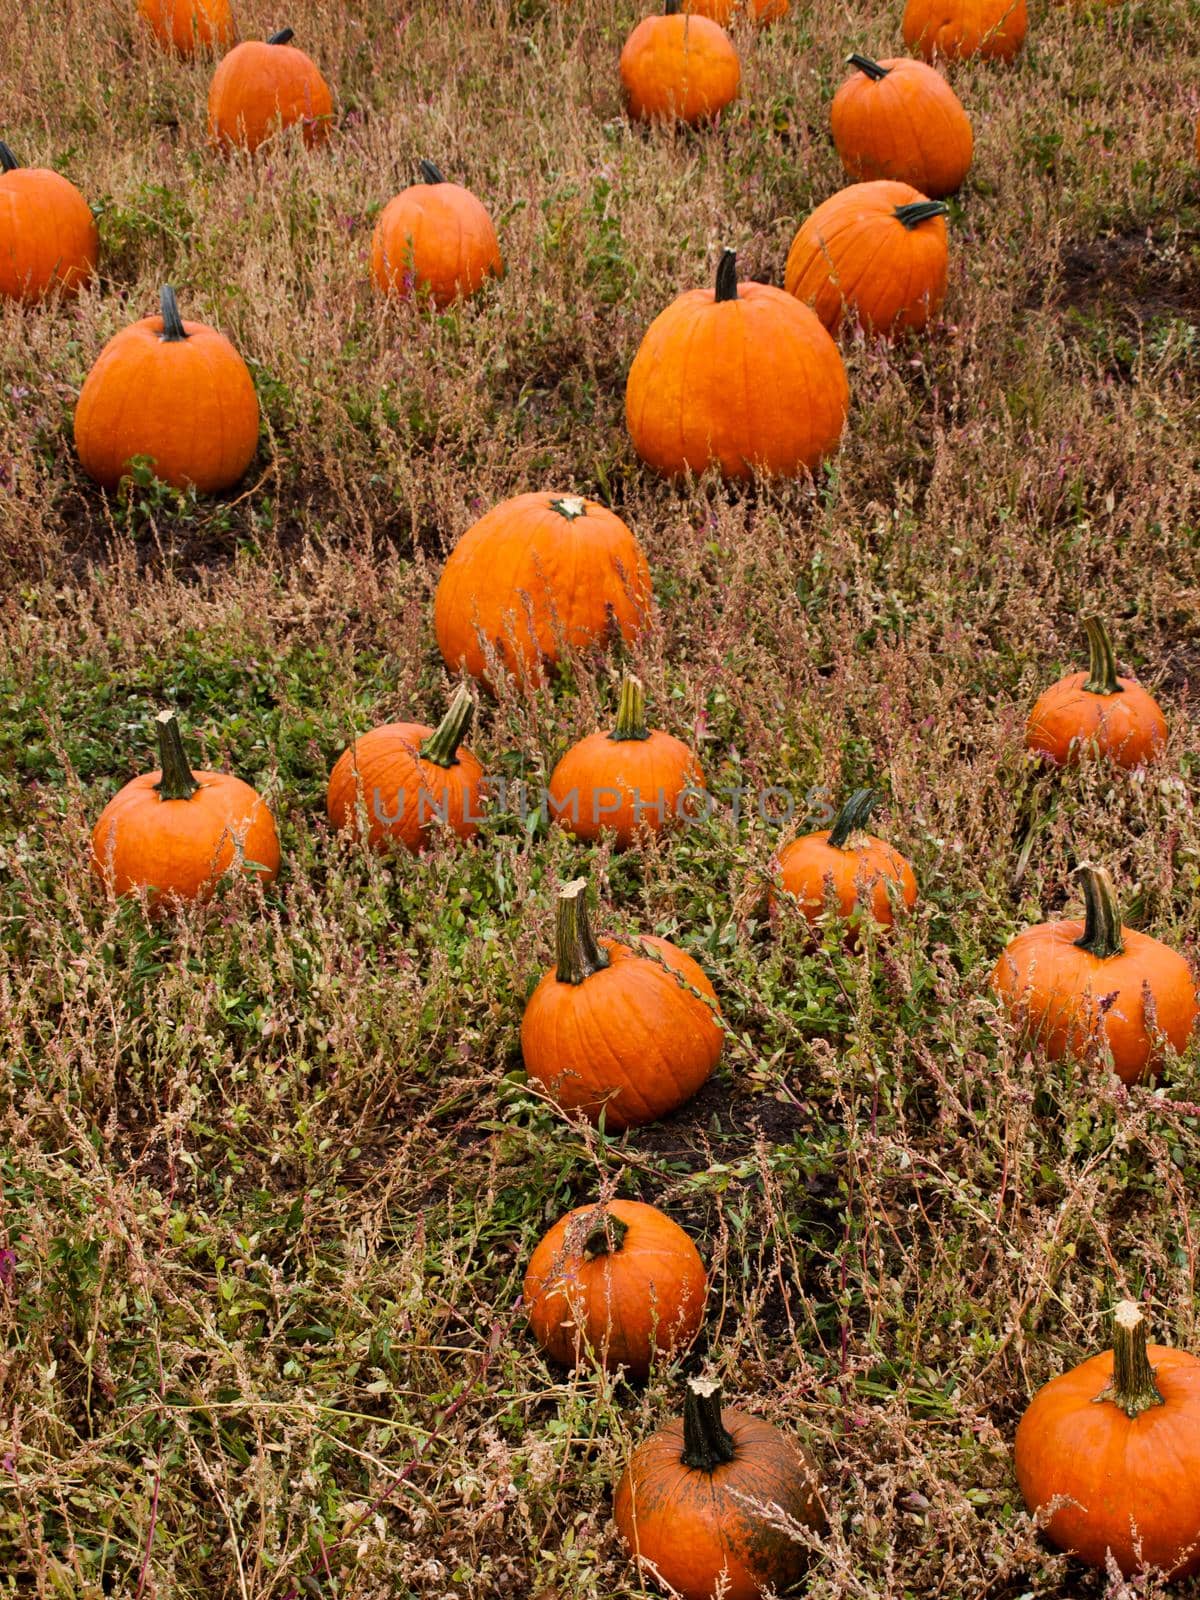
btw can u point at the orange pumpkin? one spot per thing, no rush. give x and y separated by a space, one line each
187 26
703 1503
841 866
874 250
620 1283
1079 987
1097 712
176 832
616 1032
539 574
434 235
1116 1443
48 236
741 377
679 68
993 29
621 782
407 777
259 88
900 119
723 12
177 392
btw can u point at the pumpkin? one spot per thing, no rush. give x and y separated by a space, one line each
900 119
259 88
1082 986
620 1282
678 68
435 235
175 832
994 29
408 777
616 1032
1097 712
621 782
741 377
843 866
187 26
539 574
724 12
874 250
1116 1441
48 236
701 1502
175 391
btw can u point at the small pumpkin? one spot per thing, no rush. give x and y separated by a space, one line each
620 1283
408 778
1097 712
188 26
1082 986
876 251
616 1032
993 29
175 391
437 236
900 119
261 87
621 782
176 832
844 865
48 236
537 574
741 377
703 1502
679 67
1116 1442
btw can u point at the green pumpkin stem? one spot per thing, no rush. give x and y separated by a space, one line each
1133 1387
1102 916
631 711
178 782
919 211
8 161
671 8
284 36
707 1443
854 815
872 68
441 747
570 507
726 276
173 329
430 173
1102 663
578 955
605 1235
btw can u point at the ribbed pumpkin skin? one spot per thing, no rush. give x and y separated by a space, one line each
187 26
404 795
680 68
624 1307
436 235
853 256
994 29
48 236
620 786
909 127
259 87
629 1040
1127 728
805 868
696 389
189 403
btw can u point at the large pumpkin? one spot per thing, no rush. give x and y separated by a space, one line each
844 868
261 87
741 377
187 26
619 1283
876 251
616 1032
48 236
703 1504
994 29
539 574
175 391
1116 1443
1082 986
900 119
437 236
176 832
1097 712
678 68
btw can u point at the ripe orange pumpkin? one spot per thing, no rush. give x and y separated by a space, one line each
175 832
874 250
435 235
537 574
261 87
994 29
701 1502
679 68
846 863
48 236
697 390
1083 986
407 777
621 782
1097 712
723 12
1117 1442
187 26
617 1032
620 1283
900 119
175 391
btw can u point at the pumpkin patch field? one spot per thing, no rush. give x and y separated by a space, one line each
599 829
